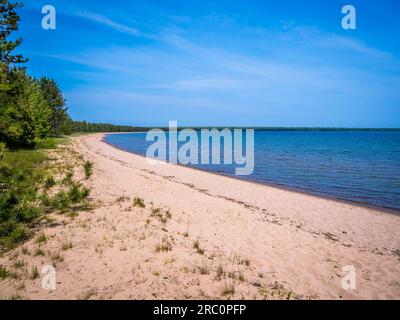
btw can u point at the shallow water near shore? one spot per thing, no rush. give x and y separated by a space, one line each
360 166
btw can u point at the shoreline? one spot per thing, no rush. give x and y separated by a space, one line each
387 210
170 232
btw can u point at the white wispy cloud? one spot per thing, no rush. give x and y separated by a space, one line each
341 42
295 65
101 19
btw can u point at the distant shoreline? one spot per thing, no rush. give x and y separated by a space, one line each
272 129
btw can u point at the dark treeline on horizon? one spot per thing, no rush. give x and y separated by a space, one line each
84 126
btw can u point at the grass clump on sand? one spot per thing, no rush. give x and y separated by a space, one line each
42 238
138 202
34 273
88 294
66 246
39 252
219 272
204 269
228 288
121 199
161 216
4 273
196 245
164 246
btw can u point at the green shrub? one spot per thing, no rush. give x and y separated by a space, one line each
20 177
60 201
49 182
68 179
24 197
88 167
45 200
27 214
18 234
64 200
12 233
4 273
78 192
47 143
3 150
25 160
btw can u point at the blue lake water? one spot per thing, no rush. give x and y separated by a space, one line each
360 166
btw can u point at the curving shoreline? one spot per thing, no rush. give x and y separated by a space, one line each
388 210
346 226
208 236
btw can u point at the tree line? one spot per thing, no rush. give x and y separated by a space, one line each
32 109
83 126
32 112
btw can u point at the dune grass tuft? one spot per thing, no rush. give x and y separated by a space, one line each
138 202
228 288
164 246
34 273
196 245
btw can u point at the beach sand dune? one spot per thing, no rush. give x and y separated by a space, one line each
202 236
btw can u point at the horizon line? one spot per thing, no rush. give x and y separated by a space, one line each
248 127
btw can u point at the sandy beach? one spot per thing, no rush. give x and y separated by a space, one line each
205 236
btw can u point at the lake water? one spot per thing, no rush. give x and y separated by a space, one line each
360 166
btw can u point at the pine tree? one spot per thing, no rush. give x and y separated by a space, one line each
9 23
39 112
14 129
59 117
16 125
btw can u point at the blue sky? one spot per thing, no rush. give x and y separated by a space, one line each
222 63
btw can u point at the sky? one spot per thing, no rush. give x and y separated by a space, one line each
220 63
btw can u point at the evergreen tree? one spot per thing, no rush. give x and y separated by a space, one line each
39 112
59 118
9 23
15 129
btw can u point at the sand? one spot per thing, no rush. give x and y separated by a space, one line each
205 236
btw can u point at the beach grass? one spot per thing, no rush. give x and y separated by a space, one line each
138 202
30 190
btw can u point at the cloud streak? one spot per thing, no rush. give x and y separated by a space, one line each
103 20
